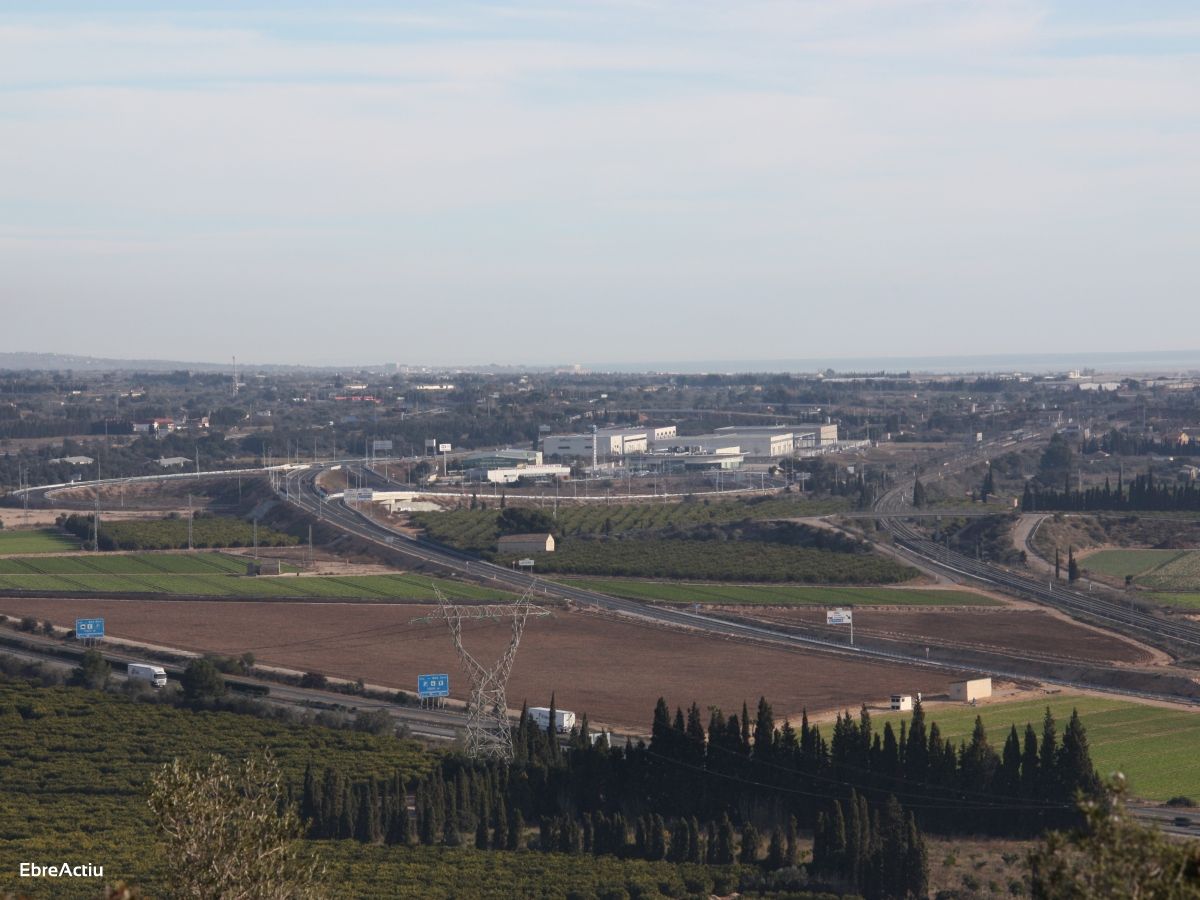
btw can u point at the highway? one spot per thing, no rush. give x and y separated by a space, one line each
299 488
1181 636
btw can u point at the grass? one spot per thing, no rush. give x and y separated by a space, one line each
1119 563
777 594
214 575
1154 746
42 540
1180 600
132 564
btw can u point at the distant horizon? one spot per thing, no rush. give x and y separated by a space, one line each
614 184
1123 362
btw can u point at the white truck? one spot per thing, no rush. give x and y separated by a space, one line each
155 675
564 719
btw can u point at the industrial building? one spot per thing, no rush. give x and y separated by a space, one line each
680 461
501 459
513 474
603 443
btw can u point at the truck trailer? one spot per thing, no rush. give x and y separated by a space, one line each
155 675
564 719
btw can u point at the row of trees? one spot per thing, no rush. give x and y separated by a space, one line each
878 851
1145 492
172 533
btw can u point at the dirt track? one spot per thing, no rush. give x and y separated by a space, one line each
613 670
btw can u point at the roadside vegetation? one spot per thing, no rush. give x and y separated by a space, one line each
777 595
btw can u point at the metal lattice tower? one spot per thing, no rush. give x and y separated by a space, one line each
489 733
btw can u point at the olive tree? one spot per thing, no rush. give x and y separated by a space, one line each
229 832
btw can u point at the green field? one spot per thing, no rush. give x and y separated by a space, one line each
1138 563
777 594
214 575
1182 600
1154 746
43 540
129 564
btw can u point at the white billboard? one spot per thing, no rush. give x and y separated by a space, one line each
839 616
381 445
443 448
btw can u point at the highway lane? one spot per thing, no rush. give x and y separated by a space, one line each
1121 616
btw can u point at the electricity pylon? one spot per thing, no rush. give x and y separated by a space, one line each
489 734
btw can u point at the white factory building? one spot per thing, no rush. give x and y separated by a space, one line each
608 443
763 440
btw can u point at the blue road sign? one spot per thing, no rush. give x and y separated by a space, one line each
433 686
89 628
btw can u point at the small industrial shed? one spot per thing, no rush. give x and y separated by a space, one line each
973 689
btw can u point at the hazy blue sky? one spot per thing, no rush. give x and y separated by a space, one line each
598 181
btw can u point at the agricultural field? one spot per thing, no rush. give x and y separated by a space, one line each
1119 563
1178 599
612 669
720 561
778 595
128 564
995 628
214 575
478 529
172 533
76 763
1154 746
35 541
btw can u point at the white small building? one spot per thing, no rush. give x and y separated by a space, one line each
902 702
74 460
971 690
168 462
513 544
515 474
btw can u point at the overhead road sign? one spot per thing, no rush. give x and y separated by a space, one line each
433 686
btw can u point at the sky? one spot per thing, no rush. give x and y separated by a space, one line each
530 183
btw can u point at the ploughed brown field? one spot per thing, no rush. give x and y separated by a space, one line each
1005 628
613 670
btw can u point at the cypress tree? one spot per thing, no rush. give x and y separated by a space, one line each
749 848
775 850
694 851
791 851
1076 771
1049 783
349 816
658 837
725 842
916 862
1030 777
500 837
481 835
516 831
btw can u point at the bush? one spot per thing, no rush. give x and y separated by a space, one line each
1181 802
28 623
202 680
314 680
